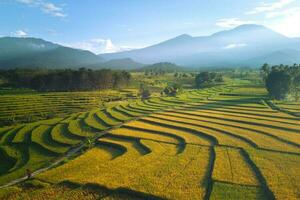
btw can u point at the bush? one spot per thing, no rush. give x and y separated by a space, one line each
206 78
171 90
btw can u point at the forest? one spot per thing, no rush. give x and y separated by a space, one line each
65 80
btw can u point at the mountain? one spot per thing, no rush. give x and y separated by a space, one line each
287 56
123 63
163 66
226 48
32 52
246 45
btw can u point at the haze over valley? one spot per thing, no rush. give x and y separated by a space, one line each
247 45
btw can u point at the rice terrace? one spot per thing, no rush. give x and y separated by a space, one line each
212 117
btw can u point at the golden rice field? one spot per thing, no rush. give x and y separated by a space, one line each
289 107
33 106
224 142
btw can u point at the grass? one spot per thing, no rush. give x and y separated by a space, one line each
282 130
107 119
127 112
231 167
8 158
42 136
238 129
23 135
222 137
79 128
93 121
60 134
34 106
36 189
281 171
291 108
117 114
222 142
37 157
143 134
228 191
153 173
188 137
9 135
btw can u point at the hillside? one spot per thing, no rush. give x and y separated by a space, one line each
163 66
122 64
286 56
32 52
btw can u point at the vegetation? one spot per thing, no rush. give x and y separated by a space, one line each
225 141
144 92
160 69
282 82
205 78
66 80
33 106
171 90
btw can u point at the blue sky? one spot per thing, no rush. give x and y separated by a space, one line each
115 25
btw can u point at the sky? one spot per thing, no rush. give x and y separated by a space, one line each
104 26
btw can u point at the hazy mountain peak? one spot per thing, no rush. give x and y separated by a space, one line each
184 36
249 27
35 52
241 45
225 47
249 30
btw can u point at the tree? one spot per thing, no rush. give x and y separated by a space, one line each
265 70
207 77
278 84
66 80
144 92
201 78
296 87
171 90
282 81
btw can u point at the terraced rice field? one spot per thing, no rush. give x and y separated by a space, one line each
36 106
219 143
289 107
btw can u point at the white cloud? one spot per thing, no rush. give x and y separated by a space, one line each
99 45
20 33
287 24
269 7
46 7
232 22
232 46
282 16
283 13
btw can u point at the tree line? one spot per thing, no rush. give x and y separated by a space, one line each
206 78
282 81
65 80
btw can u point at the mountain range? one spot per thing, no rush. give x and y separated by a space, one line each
246 45
38 53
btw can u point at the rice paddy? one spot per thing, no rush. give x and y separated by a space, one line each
223 142
31 106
